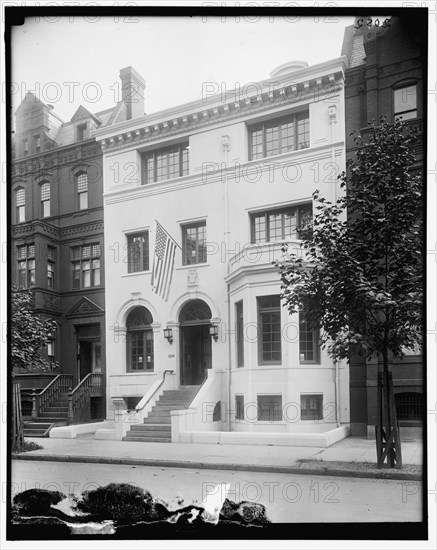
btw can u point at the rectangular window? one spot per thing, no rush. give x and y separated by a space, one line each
140 350
239 407
292 222
138 252
239 333
26 266
25 146
20 203
51 351
194 243
45 200
85 266
269 329
311 407
405 102
50 275
309 345
280 135
82 191
82 132
165 164
270 408
37 143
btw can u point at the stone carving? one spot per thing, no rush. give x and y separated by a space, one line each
51 302
192 281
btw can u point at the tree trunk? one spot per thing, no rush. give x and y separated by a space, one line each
388 445
17 421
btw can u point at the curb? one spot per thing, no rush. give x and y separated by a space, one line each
209 466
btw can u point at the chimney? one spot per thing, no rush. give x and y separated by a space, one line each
132 92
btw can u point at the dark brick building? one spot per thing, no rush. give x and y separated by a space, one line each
57 243
386 77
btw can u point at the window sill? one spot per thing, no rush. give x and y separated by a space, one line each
191 266
134 373
135 273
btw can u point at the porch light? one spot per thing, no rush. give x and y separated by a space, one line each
168 334
213 331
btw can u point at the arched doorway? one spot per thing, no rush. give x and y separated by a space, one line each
195 342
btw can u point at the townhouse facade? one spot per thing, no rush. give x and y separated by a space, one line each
57 247
215 188
386 77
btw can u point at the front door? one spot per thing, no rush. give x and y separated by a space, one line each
85 358
195 354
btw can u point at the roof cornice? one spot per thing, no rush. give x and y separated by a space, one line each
322 79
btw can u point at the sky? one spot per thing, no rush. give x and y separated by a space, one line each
70 61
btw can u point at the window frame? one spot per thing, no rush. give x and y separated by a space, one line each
82 194
239 407
20 209
185 256
262 311
47 201
145 251
51 267
79 266
298 209
82 130
26 265
239 332
317 397
154 155
145 332
260 398
37 141
315 341
281 121
400 87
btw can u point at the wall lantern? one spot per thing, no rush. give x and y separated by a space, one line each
168 334
213 331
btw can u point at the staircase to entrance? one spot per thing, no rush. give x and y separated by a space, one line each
157 426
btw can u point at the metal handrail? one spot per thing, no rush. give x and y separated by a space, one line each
157 388
52 390
78 397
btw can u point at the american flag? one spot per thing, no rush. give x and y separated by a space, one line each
163 262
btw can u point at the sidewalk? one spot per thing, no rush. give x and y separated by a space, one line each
348 457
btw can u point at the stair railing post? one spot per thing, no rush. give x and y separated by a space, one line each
70 419
34 409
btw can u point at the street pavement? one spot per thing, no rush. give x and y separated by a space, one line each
232 457
287 498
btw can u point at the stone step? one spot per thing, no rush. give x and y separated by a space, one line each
51 414
60 421
37 429
159 428
53 409
147 439
157 420
168 407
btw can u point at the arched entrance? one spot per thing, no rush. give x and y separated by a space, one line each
195 342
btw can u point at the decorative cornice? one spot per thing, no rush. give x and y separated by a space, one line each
290 95
69 231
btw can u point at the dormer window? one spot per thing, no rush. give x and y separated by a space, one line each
82 132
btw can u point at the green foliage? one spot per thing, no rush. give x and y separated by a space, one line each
29 333
362 278
120 502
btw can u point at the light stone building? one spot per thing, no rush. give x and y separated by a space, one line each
215 357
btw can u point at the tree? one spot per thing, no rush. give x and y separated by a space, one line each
361 281
29 333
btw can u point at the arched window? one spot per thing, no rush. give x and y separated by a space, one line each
139 340
20 205
45 199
